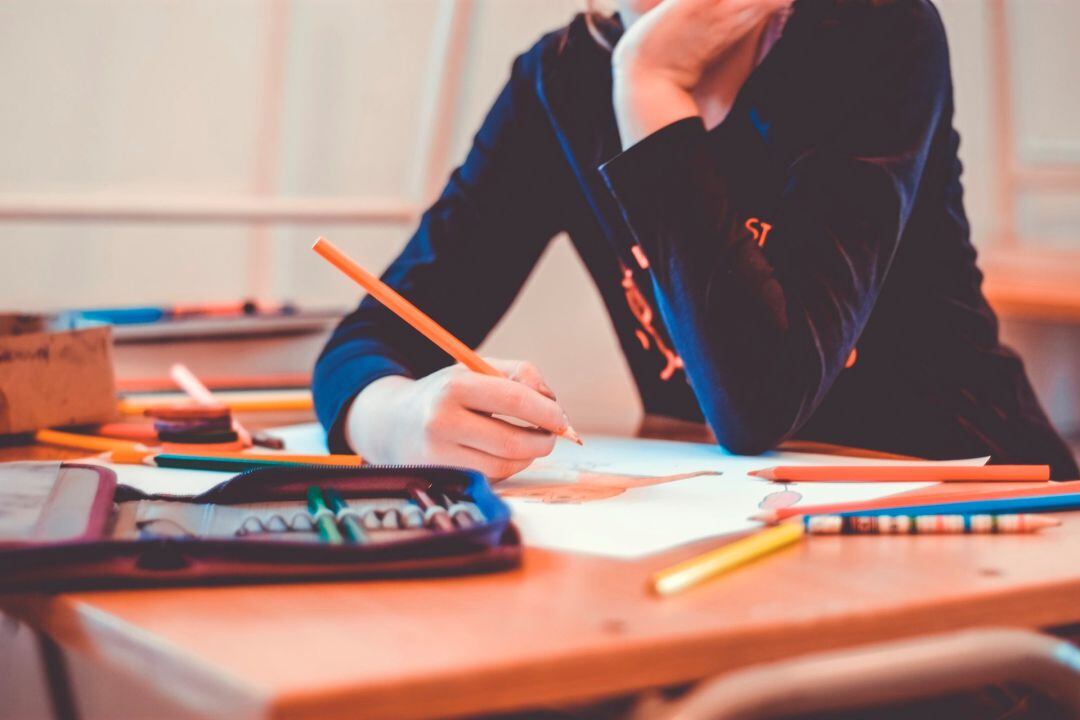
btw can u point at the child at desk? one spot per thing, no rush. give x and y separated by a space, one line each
768 199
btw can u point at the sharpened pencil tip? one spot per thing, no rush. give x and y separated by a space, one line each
570 434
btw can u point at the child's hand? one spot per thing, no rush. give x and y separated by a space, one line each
662 56
678 39
446 419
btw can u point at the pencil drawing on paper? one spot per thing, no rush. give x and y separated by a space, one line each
780 499
587 486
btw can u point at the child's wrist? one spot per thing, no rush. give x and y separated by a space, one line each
645 102
368 417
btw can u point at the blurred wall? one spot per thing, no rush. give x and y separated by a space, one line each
199 103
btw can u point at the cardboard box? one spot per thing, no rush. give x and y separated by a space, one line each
53 377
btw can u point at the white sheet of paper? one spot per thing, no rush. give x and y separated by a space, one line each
166 481
644 520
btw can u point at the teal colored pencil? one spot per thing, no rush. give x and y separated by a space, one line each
353 532
324 517
219 464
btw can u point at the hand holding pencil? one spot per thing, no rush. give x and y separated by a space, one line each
464 414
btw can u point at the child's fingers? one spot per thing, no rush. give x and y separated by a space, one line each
502 396
525 373
501 439
494 468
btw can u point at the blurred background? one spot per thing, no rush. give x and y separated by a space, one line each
179 151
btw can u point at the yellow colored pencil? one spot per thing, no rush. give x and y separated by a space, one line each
275 401
714 563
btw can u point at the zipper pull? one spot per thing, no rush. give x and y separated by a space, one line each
639 255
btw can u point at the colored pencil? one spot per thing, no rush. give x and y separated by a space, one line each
1032 503
414 316
353 532
461 513
926 524
237 401
202 395
324 517
152 314
94 443
906 473
227 461
916 499
714 563
437 513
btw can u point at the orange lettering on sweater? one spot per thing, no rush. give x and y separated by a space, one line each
759 229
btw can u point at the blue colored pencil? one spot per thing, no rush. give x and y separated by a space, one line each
1035 503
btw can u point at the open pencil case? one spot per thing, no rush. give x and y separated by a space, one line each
91 532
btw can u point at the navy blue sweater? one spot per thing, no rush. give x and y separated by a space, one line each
808 259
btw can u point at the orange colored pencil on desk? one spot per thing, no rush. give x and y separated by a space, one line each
414 316
906 473
91 443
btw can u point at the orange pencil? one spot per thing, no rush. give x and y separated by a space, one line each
906 500
414 316
906 473
92 443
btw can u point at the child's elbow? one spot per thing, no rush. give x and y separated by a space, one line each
751 432
743 443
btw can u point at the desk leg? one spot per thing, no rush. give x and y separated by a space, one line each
56 675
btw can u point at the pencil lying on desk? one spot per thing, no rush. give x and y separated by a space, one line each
414 316
927 524
237 401
714 563
227 461
906 473
92 443
1022 504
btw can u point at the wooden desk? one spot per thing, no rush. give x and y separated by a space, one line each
561 628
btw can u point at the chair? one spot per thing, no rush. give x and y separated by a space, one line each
877 675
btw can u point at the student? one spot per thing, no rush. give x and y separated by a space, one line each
768 199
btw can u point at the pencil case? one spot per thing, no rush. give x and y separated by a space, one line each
95 533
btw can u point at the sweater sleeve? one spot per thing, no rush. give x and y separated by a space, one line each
766 287
469 257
